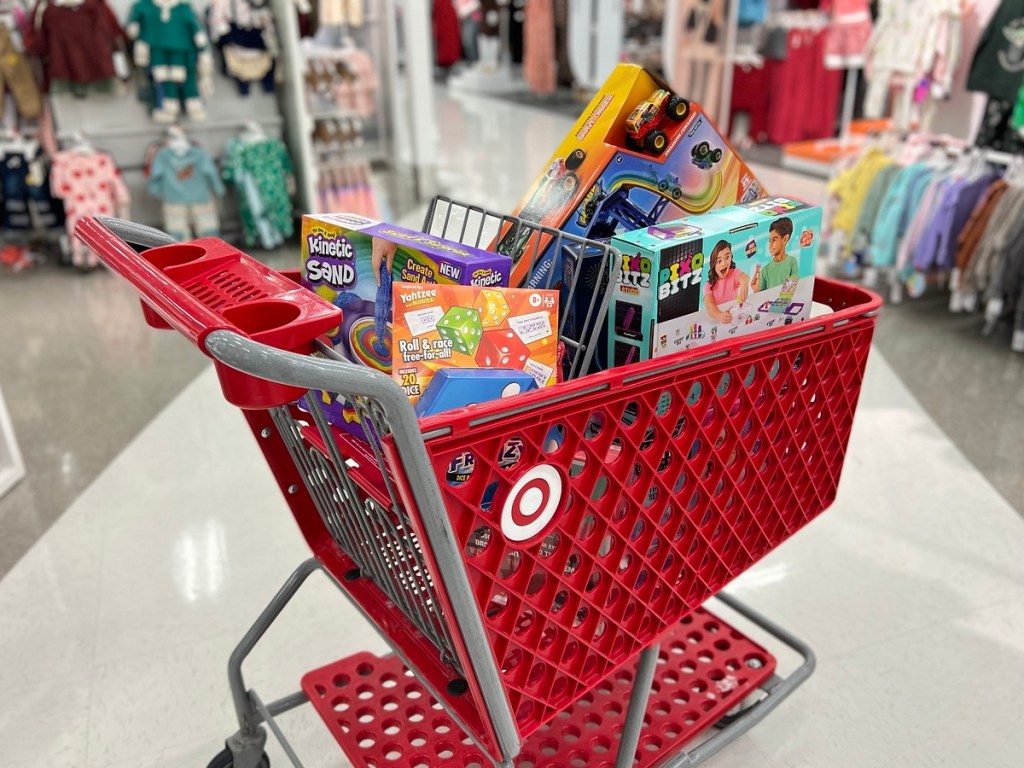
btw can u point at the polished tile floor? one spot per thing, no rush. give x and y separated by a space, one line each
166 535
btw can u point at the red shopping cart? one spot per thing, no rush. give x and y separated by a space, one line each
538 564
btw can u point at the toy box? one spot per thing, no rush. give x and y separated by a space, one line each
638 156
452 326
459 387
338 264
732 272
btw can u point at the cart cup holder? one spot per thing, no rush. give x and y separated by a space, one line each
283 323
175 255
258 317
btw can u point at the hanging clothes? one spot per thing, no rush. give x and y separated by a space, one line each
17 79
972 232
867 217
914 49
937 247
447 43
900 204
172 43
1004 228
27 201
76 42
849 30
539 67
852 186
245 34
752 12
998 62
996 130
335 13
90 184
260 171
187 182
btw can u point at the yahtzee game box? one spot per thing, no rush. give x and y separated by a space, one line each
466 327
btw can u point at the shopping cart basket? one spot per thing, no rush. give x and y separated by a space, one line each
519 555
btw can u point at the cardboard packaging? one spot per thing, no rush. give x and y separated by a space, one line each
724 274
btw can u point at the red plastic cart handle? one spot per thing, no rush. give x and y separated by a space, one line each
207 285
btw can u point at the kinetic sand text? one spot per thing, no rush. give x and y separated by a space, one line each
425 350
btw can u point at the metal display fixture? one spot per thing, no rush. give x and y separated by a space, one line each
538 564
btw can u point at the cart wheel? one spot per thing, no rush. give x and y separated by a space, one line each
227 760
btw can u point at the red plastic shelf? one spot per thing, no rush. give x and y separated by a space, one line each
382 716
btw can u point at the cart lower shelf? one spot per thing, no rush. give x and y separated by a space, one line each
382 716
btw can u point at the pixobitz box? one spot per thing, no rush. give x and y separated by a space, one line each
338 264
704 278
452 326
639 155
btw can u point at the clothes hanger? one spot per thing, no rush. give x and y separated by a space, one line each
177 140
252 132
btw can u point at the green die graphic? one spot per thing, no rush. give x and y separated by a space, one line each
462 327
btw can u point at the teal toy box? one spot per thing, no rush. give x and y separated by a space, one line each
691 282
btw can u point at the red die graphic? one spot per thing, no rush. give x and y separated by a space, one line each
501 349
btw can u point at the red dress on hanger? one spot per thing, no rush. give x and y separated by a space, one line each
447 43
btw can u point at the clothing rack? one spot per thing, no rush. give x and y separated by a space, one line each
923 212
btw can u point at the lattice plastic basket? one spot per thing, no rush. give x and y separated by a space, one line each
594 515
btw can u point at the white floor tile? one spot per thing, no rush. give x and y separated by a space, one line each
45 723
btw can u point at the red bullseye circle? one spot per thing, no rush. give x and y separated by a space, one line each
532 503
526 504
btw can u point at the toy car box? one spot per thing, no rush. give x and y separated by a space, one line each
717 276
638 156
337 264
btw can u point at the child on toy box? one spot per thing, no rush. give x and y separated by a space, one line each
782 266
725 283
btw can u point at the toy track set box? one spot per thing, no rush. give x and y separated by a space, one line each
638 155
338 264
735 271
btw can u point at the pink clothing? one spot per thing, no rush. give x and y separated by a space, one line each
90 184
725 289
848 34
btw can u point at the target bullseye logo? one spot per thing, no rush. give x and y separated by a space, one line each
532 503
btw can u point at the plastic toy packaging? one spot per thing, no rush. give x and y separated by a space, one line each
444 327
689 283
355 263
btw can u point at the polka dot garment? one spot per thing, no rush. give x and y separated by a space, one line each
90 184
